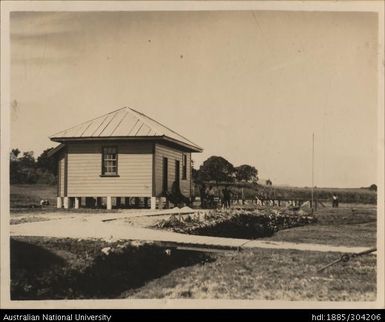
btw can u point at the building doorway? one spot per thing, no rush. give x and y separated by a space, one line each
165 175
177 173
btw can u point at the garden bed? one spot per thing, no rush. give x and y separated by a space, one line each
236 223
56 268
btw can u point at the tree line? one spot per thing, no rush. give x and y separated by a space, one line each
25 168
217 169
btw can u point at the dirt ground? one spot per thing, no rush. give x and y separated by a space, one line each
132 217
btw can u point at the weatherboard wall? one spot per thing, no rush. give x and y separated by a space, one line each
172 154
84 169
61 175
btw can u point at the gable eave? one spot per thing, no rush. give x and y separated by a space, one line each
55 150
189 147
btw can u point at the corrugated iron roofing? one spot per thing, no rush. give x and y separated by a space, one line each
122 123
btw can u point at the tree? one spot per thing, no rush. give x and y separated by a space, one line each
27 160
247 173
217 169
46 163
268 182
22 169
14 166
26 169
373 187
195 175
14 154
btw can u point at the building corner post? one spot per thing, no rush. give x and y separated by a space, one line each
59 203
77 203
66 202
109 202
153 203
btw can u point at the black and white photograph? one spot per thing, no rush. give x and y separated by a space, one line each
199 154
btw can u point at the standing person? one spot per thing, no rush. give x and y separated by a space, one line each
334 201
226 197
202 193
207 190
243 197
211 195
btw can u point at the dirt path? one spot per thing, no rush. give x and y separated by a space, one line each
92 227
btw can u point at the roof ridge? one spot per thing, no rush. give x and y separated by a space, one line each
114 121
142 114
136 116
88 121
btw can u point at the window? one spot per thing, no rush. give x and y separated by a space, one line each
184 166
110 161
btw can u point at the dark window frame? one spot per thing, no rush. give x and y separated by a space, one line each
177 172
165 174
104 172
184 166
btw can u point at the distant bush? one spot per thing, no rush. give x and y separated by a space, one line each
45 177
344 195
26 169
252 190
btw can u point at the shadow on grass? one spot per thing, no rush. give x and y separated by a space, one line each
38 274
31 257
31 267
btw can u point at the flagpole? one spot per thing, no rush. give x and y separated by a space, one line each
312 174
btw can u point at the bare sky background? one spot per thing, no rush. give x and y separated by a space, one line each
249 86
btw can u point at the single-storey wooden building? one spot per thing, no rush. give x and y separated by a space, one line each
121 155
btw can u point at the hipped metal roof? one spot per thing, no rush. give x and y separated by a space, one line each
124 123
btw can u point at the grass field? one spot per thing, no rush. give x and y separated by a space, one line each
283 274
50 268
27 195
268 275
54 268
25 203
348 225
45 268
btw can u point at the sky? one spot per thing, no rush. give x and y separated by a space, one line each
249 86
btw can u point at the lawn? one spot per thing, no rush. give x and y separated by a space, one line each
55 268
339 235
27 195
283 274
25 204
349 225
51 268
268 275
